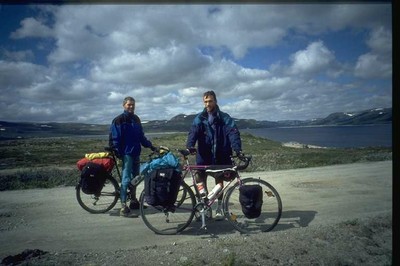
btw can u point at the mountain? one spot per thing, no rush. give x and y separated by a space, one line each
181 123
372 116
12 130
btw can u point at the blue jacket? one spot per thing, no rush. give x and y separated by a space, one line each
214 146
127 136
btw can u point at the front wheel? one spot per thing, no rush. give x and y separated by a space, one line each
271 209
101 202
173 219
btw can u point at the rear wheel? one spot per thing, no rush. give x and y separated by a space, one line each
169 220
101 202
270 213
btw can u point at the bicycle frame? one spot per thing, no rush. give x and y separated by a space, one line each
191 168
204 204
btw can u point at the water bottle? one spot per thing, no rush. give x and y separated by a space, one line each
215 191
202 190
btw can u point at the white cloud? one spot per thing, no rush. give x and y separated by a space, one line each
380 41
166 56
26 55
16 75
30 27
316 58
156 66
378 62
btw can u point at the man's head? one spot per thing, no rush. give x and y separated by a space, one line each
210 101
129 104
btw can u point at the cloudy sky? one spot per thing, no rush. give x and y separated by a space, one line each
75 63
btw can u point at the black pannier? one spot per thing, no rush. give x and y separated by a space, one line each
93 177
162 186
251 200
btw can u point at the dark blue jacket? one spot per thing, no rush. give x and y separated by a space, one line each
127 136
214 146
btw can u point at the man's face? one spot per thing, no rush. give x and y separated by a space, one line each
129 106
209 103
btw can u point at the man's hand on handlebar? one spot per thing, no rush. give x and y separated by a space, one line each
113 150
154 149
192 150
240 154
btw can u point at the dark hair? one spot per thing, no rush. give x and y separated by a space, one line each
129 98
210 93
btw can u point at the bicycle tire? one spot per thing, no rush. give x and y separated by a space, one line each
270 213
181 198
103 202
171 220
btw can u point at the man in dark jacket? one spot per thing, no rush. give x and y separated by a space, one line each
126 138
216 135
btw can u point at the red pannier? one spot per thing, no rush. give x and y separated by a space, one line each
107 163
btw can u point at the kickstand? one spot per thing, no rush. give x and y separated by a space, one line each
203 228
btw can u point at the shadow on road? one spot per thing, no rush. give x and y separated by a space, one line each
295 219
289 219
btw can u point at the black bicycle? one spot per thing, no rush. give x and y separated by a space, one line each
189 204
109 195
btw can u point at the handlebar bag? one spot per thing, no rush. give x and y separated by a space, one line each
161 187
251 200
93 177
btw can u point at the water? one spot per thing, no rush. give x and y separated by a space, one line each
330 136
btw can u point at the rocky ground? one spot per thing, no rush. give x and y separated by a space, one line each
354 242
336 215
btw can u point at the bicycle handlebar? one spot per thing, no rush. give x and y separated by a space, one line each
242 158
156 152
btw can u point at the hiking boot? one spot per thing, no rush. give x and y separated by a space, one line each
124 211
219 216
134 205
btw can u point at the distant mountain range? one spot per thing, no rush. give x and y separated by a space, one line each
181 123
372 116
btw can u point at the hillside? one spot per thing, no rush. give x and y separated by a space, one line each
366 117
181 123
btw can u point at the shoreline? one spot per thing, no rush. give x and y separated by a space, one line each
294 144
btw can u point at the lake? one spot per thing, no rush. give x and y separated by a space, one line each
330 136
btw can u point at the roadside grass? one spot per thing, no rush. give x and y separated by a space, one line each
51 162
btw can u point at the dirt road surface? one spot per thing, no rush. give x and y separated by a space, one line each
52 220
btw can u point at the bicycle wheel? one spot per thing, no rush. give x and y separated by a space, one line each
102 202
170 220
270 213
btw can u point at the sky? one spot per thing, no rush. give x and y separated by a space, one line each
76 63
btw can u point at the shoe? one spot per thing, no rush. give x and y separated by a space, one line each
134 205
218 215
124 211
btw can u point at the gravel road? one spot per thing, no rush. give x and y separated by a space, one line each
334 215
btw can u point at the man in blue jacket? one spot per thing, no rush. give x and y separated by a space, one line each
216 135
126 138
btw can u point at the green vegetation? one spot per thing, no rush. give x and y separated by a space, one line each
50 162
